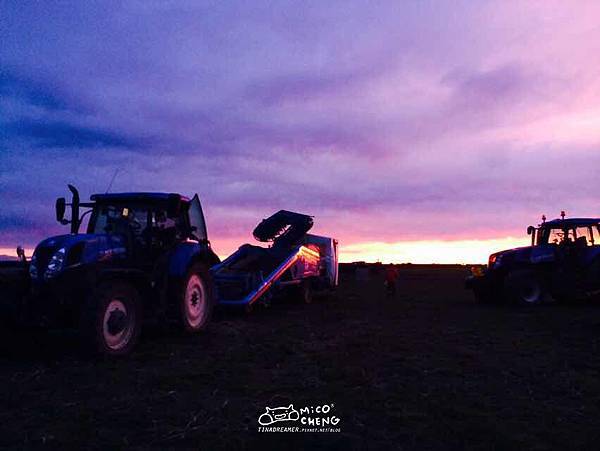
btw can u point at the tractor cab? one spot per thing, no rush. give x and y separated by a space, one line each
134 227
576 239
581 232
151 223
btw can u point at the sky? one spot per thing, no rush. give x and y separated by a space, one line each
412 131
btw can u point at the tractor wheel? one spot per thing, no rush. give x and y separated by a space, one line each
524 287
196 299
111 320
593 278
488 295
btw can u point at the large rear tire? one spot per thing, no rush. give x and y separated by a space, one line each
593 279
196 299
111 320
525 287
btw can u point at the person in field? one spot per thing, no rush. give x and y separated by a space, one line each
391 280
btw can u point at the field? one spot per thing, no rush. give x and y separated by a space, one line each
427 369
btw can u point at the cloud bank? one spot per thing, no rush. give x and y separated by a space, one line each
393 121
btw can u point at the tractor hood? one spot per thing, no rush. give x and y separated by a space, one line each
58 253
526 254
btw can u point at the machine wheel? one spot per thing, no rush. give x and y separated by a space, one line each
524 287
111 321
306 292
196 299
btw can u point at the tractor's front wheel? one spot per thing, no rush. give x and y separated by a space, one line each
111 320
525 287
196 299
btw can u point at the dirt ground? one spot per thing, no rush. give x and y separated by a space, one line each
427 369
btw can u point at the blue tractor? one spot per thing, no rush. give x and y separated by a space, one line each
144 256
562 263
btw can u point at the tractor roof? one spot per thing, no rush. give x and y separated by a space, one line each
572 222
138 197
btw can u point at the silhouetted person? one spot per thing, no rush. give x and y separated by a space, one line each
391 279
21 254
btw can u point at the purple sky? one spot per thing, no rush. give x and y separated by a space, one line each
388 121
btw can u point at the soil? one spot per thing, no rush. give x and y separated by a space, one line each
424 369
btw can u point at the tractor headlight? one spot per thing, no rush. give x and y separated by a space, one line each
495 260
56 263
33 272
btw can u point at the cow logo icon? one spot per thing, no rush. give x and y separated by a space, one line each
273 415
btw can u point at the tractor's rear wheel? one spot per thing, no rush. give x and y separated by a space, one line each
196 299
525 287
111 320
593 279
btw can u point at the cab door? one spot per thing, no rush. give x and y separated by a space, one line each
197 221
590 257
586 244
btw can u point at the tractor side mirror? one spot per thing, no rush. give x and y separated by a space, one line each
61 206
74 210
531 231
21 254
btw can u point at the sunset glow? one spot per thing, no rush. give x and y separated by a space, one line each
434 251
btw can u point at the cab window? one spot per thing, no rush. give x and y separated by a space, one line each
197 219
118 219
559 236
596 235
584 235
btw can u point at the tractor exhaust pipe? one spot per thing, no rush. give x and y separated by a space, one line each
61 206
74 209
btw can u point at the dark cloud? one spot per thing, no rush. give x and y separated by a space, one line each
38 93
12 223
42 114
29 92
66 136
